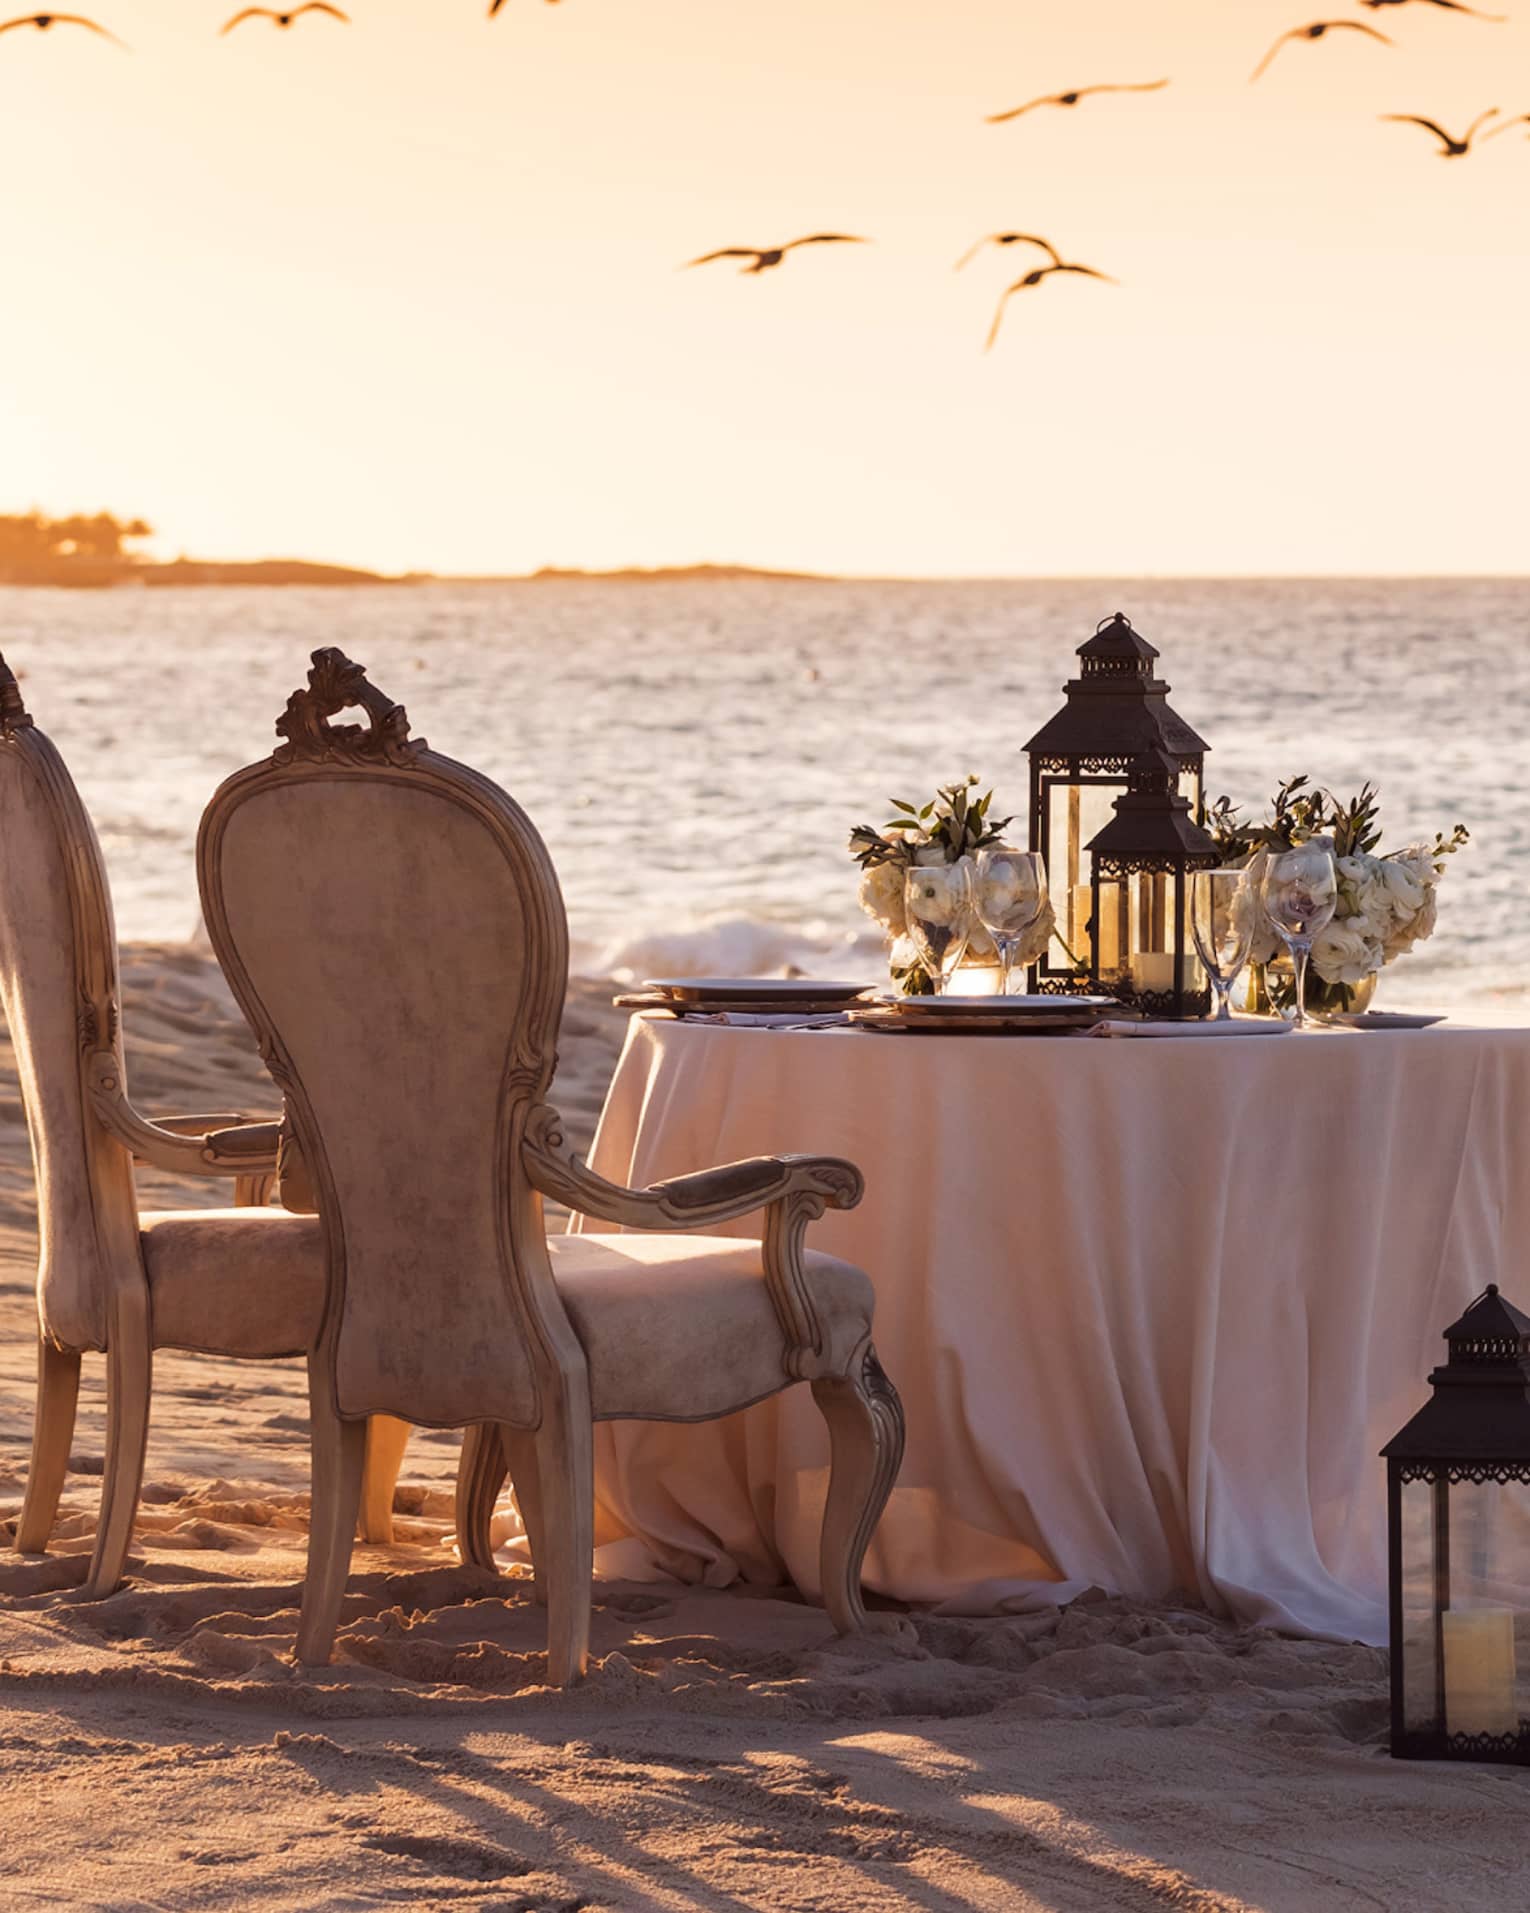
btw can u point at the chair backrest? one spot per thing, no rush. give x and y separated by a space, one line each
58 983
391 924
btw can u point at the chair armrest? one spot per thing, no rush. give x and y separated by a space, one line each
203 1125
792 1190
219 1151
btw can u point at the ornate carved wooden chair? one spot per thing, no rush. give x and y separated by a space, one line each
391 923
110 1278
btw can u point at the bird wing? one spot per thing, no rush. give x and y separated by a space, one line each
999 314
1481 120
1412 119
494 7
250 13
725 252
322 6
998 119
79 20
1359 26
1455 6
1088 272
827 239
1294 34
1010 239
1508 126
1134 86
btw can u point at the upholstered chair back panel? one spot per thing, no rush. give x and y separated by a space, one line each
59 986
398 959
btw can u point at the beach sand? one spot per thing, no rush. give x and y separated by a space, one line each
158 1750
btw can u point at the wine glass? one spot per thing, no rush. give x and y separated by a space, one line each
1009 893
1301 892
937 902
1224 910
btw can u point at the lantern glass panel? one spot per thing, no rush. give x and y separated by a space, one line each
1076 813
1190 789
1420 1629
1113 928
1155 927
1485 1628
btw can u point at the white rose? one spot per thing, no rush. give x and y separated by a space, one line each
929 856
881 896
1344 954
1033 944
936 896
1403 887
980 946
1363 890
1415 928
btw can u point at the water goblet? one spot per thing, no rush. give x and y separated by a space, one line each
1224 911
1009 893
937 902
1301 892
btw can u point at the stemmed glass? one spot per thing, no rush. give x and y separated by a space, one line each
1224 909
1009 895
937 902
1301 892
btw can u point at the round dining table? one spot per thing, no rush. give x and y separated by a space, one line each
1152 1307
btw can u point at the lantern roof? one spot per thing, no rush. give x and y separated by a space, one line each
1116 707
1480 1410
1152 821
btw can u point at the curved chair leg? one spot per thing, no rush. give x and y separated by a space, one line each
565 1453
481 1471
129 1378
526 1479
387 1438
865 1421
339 1455
58 1388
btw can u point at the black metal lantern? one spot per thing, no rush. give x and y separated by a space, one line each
1141 950
1116 712
1458 1530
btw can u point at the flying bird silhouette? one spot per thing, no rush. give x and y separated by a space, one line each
765 257
42 21
1450 147
1316 32
1010 239
1451 6
1073 98
1034 278
286 19
495 5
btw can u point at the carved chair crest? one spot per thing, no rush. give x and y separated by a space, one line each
14 715
335 684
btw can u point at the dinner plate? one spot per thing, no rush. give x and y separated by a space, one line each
1386 1020
735 990
1027 1023
998 1006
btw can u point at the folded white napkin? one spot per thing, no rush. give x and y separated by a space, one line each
1239 1026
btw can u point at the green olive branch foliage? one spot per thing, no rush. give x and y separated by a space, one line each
1300 811
959 822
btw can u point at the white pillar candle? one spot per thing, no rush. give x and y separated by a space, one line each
1078 923
1479 1671
1154 970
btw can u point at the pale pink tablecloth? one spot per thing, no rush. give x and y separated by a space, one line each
1152 1307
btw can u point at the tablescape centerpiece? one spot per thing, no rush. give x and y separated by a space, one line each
917 880
1116 712
1141 948
1384 902
1458 1532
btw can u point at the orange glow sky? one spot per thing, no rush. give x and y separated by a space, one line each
405 293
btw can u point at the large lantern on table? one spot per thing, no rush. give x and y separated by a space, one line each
1141 948
1458 1522
1116 712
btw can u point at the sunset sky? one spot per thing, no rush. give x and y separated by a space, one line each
405 293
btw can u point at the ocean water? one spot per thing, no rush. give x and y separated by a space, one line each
696 753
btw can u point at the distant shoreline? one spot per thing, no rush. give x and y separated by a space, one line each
194 574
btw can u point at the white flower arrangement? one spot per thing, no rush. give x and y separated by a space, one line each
950 829
1387 900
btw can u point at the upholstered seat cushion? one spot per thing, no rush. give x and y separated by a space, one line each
234 1281
676 1327
682 1327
